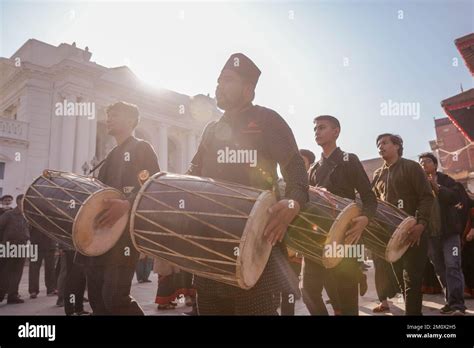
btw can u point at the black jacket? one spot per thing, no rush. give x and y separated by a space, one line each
120 170
405 185
344 177
13 227
255 129
449 198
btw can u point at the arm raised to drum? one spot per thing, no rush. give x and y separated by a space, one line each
282 146
116 208
425 196
362 186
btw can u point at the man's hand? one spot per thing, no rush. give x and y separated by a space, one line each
414 234
355 232
433 179
114 210
281 214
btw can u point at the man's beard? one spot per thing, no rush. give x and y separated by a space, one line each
225 104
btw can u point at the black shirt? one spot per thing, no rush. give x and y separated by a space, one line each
14 227
258 134
405 185
343 175
120 170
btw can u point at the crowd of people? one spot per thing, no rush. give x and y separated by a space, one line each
442 236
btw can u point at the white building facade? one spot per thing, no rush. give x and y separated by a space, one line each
34 137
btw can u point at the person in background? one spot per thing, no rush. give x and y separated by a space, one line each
144 268
295 259
468 250
5 205
15 230
403 183
173 285
46 251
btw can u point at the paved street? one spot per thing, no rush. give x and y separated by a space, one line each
145 295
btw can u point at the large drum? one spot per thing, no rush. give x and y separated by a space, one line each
386 233
322 222
65 207
210 228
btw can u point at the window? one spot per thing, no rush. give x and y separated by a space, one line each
2 170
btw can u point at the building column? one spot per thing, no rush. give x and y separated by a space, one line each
93 134
68 137
163 146
82 142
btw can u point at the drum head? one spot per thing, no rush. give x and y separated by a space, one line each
338 230
87 239
254 248
396 246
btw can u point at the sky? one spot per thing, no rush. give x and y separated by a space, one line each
346 58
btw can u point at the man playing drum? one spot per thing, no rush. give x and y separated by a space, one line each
342 174
403 183
244 146
109 276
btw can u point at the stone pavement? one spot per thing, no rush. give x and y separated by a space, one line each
145 295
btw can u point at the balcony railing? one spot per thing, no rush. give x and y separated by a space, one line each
13 129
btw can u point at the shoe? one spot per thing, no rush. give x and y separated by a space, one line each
52 293
81 313
147 281
34 295
2 296
381 309
15 300
459 312
86 299
60 302
446 310
140 281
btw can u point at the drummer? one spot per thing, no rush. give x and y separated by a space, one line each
403 183
342 174
109 276
261 139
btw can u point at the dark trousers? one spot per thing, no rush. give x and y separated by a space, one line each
288 299
3 278
108 288
49 272
447 265
409 270
347 275
214 298
315 278
144 267
240 305
10 276
74 284
386 283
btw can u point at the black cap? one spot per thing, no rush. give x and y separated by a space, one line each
243 66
